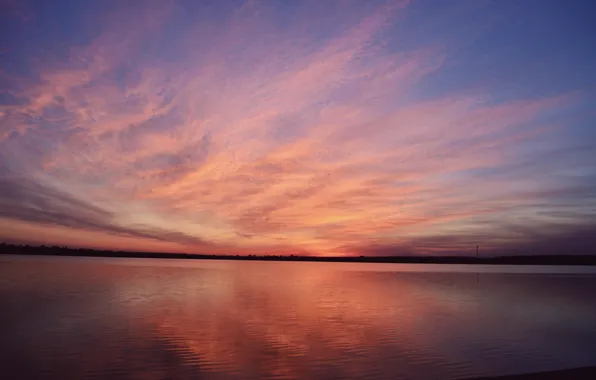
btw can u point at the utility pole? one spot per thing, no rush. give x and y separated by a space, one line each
477 273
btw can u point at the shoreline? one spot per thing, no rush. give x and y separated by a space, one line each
521 260
584 373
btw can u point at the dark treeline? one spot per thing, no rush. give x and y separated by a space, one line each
515 260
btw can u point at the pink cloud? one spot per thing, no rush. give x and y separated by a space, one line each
318 146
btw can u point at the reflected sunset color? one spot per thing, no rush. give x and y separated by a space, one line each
160 319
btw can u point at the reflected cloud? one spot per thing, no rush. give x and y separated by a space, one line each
143 318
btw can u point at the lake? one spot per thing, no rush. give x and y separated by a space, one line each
69 318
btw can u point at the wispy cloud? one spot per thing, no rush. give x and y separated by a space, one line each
311 135
27 200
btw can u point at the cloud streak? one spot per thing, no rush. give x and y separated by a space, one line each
27 200
256 136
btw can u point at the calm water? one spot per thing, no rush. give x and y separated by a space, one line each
67 318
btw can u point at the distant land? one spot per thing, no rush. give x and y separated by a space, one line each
501 260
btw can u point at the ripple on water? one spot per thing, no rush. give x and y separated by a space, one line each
78 319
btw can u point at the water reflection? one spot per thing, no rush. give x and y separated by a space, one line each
93 319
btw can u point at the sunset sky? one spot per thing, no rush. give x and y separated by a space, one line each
299 127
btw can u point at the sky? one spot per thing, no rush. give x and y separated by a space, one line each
299 127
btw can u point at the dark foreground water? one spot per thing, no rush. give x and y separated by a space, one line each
70 318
